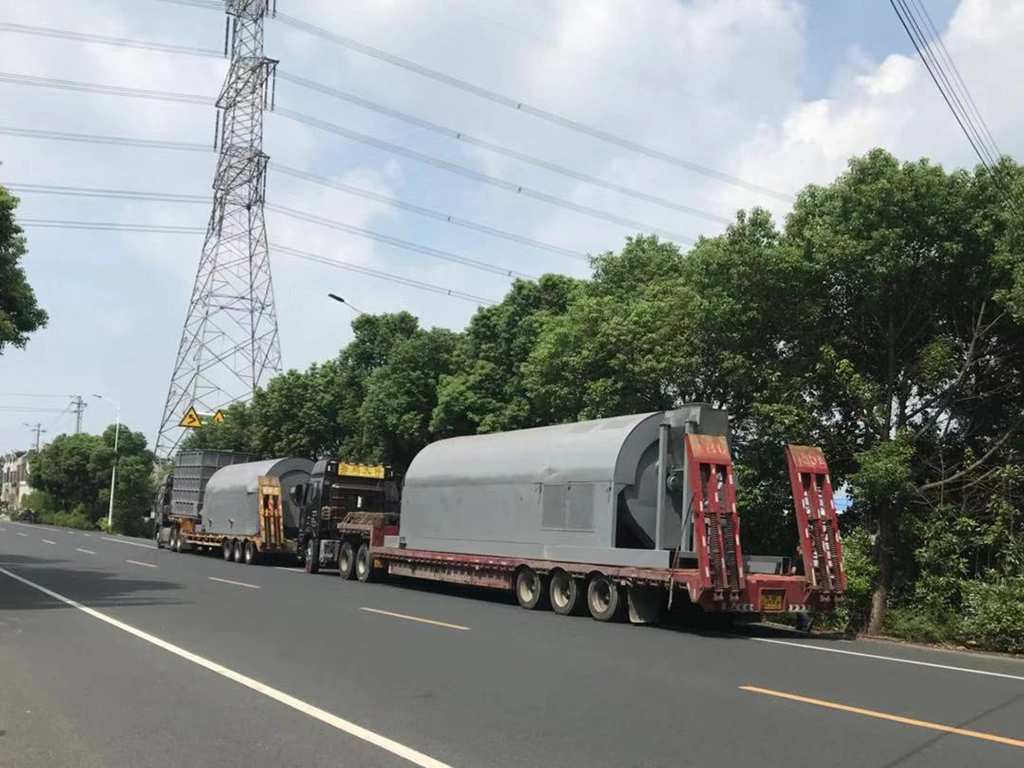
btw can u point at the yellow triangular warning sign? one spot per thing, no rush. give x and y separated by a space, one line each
218 417
191 419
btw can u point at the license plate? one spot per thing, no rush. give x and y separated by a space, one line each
771 601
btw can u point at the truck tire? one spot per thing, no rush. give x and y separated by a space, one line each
250 554
228 550
177 540
531 589
237 551
566 595
312 564
365 571
347 561
605 599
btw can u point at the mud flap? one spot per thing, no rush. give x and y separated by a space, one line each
646 604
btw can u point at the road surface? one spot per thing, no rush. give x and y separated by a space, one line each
114 653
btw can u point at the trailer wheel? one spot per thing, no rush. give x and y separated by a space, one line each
605 599
250 554
365 571
312 564
566 596
237 551
227 550
347 561
531 589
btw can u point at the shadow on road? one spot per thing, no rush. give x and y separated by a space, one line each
690 622
92 588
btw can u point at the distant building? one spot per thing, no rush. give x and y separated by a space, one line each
14 478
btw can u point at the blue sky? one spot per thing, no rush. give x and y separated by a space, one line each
778 92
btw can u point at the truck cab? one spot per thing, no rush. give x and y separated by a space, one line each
338 492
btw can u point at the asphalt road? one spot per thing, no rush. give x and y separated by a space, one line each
113 653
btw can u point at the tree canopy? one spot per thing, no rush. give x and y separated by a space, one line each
73 472
20 315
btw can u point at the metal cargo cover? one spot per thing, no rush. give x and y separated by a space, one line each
231 505
553 492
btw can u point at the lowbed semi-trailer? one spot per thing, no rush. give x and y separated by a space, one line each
615 517
236 508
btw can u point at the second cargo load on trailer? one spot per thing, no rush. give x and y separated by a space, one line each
612 516
241 511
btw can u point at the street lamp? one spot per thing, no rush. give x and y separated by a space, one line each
348 304
113 468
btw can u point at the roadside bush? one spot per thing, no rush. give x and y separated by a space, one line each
861 573
921 626
994 614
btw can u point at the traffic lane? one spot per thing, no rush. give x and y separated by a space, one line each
81 694
313 597
465 674
893 651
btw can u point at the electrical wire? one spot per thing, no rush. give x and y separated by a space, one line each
363 138
31 394
506 101
956 74
290 212
108 90
384 275
27 409
121 194
520 106
987 154
498 148
380 109
424 211
306 255
494 181
83 37
86 138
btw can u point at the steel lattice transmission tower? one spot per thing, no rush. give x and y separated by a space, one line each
230 343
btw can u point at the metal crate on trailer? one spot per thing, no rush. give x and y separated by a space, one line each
192 471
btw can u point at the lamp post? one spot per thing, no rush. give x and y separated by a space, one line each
348 304
113 467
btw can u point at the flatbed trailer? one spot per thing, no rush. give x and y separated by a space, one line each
721 580
185 533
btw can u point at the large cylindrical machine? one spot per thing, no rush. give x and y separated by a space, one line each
231 505
583 492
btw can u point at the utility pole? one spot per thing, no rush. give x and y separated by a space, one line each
78 405
229 345
38 429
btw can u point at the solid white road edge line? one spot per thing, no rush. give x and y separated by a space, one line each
382 742
122 541
895 659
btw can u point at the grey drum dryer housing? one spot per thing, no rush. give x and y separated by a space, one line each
583 492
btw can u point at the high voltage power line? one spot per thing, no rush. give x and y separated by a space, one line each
506 101
944 74
121 194
299 174
105 226
508 186
364 103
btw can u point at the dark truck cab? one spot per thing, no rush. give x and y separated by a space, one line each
337 497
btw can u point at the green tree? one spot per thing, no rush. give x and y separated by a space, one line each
401 396
20 315
485 391
911 337
74 472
